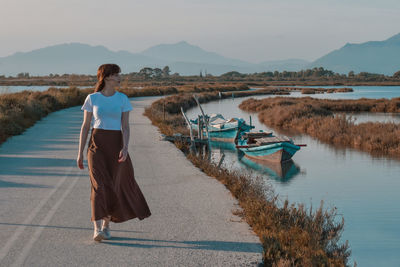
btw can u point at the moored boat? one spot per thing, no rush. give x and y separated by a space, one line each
223 130
268 148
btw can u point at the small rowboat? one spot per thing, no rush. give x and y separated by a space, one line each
268 148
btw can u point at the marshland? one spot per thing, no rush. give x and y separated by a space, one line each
356 182
361 183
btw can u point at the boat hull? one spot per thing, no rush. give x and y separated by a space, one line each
224 135
221 135
278 152
229 132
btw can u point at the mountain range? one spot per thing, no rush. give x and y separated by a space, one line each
374 57
186 59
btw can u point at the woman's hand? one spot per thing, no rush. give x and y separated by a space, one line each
123 154
79 161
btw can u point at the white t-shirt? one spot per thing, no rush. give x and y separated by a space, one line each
107 110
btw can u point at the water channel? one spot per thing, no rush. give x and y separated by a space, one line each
364 189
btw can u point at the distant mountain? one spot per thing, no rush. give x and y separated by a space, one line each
72 58
181 57
375 57
186 59
184 52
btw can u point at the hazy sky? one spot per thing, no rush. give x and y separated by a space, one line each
252 30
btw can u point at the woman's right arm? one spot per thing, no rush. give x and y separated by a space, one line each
87 118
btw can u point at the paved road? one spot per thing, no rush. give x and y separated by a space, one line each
45 205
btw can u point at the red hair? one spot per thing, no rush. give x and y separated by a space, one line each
104 71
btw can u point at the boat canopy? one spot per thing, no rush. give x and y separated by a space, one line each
217 120
272 140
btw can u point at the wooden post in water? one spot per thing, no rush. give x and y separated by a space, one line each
192 143
199 127
250 121
206 122
221 160
204 116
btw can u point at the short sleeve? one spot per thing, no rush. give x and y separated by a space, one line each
87 105
126 104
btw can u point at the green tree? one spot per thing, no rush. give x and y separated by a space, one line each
23 75
166 71
157 73
146 73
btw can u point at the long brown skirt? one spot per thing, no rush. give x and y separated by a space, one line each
114 189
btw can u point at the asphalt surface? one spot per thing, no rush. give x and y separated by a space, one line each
45 204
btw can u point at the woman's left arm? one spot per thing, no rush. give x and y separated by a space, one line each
123 154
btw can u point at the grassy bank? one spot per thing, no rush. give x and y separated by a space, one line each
19 111
290 234
326 121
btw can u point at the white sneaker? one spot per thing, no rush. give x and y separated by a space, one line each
106 232
98 235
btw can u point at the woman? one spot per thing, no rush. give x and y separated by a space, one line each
115 194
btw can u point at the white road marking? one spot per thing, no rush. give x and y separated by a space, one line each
28 246
10 242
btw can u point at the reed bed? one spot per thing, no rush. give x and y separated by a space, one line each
290 234
326 120
19 111
309 91
155 90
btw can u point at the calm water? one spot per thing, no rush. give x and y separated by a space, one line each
365 190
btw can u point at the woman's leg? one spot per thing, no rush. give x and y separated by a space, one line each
106 228
97 225
106 222
98 235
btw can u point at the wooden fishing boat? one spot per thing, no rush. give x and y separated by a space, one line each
268 148
222 130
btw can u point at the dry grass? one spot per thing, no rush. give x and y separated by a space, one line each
155 90
19 111
309 91
290 234
320 119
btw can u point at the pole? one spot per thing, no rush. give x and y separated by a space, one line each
192 144
200 128
204 116
206 122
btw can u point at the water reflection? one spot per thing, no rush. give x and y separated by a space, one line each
226 152
223 146
280 171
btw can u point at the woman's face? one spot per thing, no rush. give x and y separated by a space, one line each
113 79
